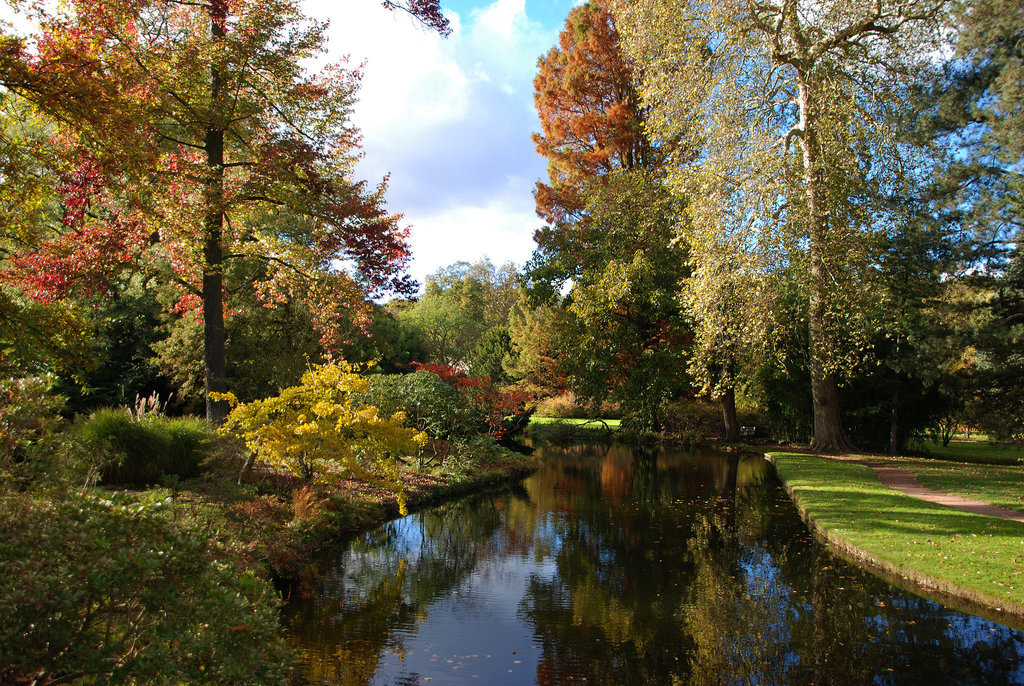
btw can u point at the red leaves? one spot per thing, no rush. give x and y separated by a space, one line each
97 244
588 109
494 403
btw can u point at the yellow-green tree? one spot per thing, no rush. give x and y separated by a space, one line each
776 110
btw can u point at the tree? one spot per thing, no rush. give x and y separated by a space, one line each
318 427
624 337
460 303
586 99
585 95
200 139
974 115
532 332
621 320
739 82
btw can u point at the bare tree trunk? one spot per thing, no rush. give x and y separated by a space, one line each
829 435
213 249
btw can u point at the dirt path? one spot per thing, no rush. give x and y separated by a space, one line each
906 481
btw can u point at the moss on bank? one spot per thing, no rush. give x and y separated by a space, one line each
932 548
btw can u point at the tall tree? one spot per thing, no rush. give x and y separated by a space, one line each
201 138
609 226
586 99
743 80
624 337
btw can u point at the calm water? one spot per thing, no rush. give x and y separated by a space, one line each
614 567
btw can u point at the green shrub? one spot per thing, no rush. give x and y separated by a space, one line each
140 450
430 404
30 426
112 589
694 418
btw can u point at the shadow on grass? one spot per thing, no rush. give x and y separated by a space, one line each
959 553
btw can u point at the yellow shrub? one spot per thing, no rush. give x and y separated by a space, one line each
316 431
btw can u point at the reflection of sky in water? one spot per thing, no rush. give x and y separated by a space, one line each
474 634
506 594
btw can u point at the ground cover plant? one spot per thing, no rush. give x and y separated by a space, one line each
113 588
956 552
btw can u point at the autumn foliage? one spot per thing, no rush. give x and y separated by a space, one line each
500 410
198 138
586 99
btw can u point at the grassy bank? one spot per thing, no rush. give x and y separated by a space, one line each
968 556
566 430
277 522
977 449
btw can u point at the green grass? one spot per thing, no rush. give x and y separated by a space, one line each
976 449
963 554
558 430
995 484
613 424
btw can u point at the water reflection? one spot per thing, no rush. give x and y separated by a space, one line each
611 566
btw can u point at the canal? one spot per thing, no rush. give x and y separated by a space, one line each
613 565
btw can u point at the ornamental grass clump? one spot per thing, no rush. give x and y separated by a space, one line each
318 430
143 449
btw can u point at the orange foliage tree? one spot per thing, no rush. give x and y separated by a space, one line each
586 98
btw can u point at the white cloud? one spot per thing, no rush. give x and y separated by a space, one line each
450 121
499 230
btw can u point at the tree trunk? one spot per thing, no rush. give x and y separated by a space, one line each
828 426
732 424
895 445
213 249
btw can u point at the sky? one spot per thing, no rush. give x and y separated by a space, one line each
450 120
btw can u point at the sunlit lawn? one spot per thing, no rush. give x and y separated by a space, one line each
612 423
975 449
981 556
1001 485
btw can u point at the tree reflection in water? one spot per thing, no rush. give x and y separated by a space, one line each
622 566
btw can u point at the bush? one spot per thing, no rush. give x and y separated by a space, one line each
429 403
567 406
30 426
141 450
111 589
694 418
321 427
562 406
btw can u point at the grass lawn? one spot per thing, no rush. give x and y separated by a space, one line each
612 423
995 484
963 554
976 449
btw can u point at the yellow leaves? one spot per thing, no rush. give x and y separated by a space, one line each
316 431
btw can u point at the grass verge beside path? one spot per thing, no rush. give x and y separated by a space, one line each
977 450
998 485
964 555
